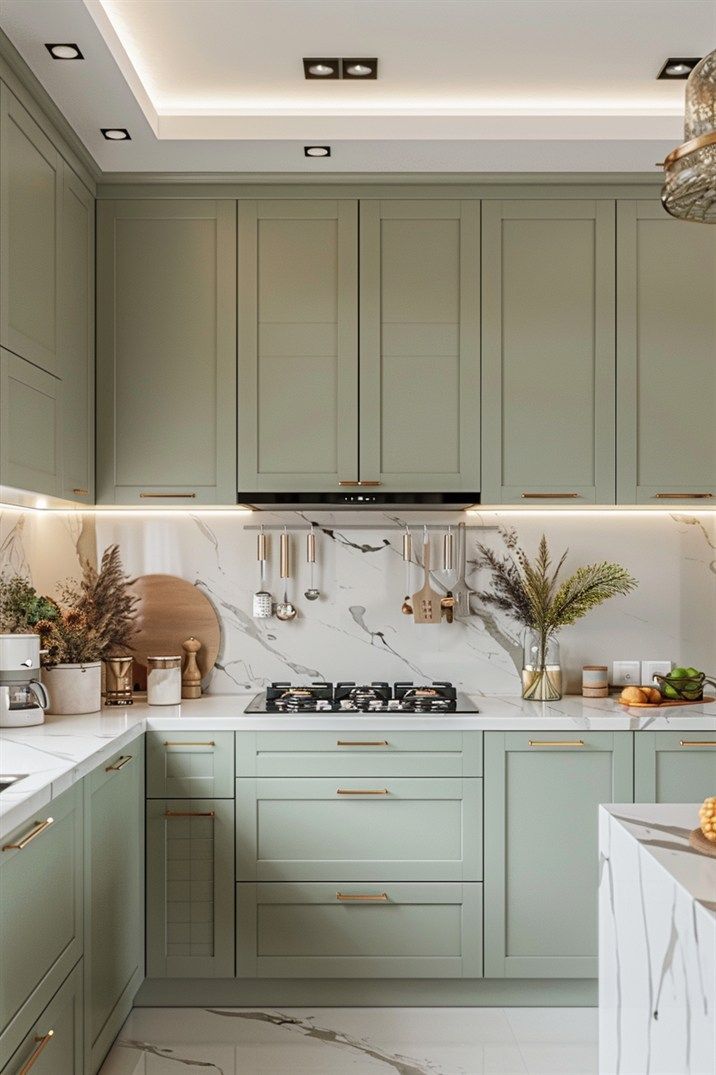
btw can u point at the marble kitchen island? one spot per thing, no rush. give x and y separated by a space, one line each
657 943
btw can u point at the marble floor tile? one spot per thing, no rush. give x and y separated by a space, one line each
355 1041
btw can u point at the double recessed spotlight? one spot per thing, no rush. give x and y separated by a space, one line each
678 67
64 51
327 68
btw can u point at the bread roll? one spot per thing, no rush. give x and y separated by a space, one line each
633 694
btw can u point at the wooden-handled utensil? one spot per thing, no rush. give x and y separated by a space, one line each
426 602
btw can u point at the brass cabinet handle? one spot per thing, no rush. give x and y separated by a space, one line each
362 791
556 742
120 763
167 496
683 496
34 832
551 496
352 484
187 743
189 813
362 743
42 1043
81 492
697 742
348 897
370 484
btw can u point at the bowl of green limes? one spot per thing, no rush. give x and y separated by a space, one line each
682 684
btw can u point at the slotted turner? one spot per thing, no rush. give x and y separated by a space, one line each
461 591
426 602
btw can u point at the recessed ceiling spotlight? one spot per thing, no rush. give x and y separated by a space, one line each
316 151
321 68
678 67
66 51
116 134
360 68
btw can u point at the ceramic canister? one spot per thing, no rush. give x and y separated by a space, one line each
164 680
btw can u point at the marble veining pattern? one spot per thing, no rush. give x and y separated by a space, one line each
657 944
364 1041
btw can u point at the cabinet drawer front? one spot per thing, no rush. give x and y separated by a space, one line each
40 911
392 829
358 753
190 888
674 767
395 931
54 1044
190 765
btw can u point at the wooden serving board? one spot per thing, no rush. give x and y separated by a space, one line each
663 705
699 843
170 610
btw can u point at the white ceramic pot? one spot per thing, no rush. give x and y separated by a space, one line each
74 688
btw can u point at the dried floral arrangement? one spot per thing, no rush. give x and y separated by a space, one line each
94 617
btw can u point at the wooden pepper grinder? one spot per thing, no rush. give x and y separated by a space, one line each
191 676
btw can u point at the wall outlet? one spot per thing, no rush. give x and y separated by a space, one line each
649 669
626 673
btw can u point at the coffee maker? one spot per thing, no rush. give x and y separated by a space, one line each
23 699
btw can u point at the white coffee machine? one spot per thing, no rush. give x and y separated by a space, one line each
23 699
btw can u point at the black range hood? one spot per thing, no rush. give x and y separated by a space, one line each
359 498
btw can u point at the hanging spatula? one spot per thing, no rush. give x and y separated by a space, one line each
461 591
426 602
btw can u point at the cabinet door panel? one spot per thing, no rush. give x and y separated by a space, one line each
30 189
548 351
419 352
674 767
77 340
166 282
666 339
297 345
187 765
54 1044
541 838
30 427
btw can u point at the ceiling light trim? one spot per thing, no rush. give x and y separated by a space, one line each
99 11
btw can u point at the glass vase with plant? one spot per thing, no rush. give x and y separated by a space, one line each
529 591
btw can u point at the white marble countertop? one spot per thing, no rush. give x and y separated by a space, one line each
54 755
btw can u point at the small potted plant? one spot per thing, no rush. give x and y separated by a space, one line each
93 619
529 592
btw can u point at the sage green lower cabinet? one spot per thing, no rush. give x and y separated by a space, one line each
54 1044
30 427
542 791
674 767
359 829
188 765
114 897
349 930
41 914
190 888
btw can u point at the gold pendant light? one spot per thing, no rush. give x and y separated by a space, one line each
690 170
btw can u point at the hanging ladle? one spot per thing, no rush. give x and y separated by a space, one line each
311 594
284 609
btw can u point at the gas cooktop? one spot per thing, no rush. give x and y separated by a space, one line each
378 697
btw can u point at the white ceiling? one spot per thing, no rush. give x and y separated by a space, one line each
465 85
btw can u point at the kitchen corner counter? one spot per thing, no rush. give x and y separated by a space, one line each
63 750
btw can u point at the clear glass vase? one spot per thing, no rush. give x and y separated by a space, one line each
541 668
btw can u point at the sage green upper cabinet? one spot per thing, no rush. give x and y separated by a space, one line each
666 345
298 373
77 339
166 362
419 345
548 415
30 427
30 211
542 793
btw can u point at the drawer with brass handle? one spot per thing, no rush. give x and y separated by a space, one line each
182 766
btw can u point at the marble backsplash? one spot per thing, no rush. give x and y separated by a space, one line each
356 630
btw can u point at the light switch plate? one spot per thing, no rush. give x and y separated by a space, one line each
649 669
626 673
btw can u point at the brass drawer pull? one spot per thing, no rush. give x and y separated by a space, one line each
697 742
189 813
362 743
120 763
683 496
551 496
362 791
81 492
167 496
369 485
187 743
347 897
42 1043
353 485
34 832
556 742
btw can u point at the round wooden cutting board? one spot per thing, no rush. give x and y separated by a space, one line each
699 842
170 610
